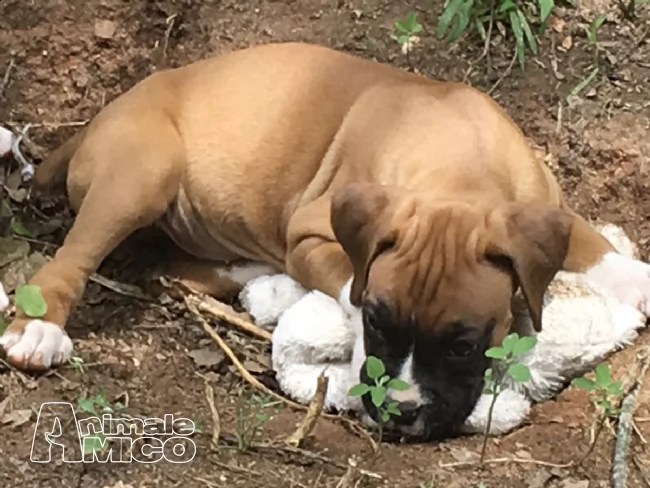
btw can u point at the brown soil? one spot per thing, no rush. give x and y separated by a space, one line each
64 71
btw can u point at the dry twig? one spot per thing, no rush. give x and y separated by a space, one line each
504 74
5 80
230 319
628 406
274 447
53 125
26 168
216 421
351 476
191 304
313 412
641 469
235 468
120 288
233 358
507 460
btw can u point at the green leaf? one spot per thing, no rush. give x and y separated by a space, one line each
393 408
496 353
478 23
462 21
262 417
532 42
524 345
597 23
505 6
411 22
399 385
375 367
447 16
616 388
584 384
86 405
603 376
583 84
383 380
30 300
515 23
385 417
605 404
488 374
545 8
488 391
519 372
94 443
359 390
377 395
509 342
19 228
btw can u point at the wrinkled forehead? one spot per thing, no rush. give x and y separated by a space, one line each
428 295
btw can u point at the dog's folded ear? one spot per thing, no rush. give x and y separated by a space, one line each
362 220
533 240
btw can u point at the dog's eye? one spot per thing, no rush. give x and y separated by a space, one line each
462 348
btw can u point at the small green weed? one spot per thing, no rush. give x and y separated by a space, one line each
97 406
507 364
405 33
605 391
77 363
518 17
251 417
376 371
592 37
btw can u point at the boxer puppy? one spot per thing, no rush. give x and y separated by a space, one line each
418 204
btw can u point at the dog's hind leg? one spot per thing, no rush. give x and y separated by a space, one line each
218 280
122 178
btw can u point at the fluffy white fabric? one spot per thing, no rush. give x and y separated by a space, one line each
314 334
6 140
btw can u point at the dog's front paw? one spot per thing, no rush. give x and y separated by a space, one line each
36 345
624 278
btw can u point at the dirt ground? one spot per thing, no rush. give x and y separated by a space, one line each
70 57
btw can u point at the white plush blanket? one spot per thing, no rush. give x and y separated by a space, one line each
312 334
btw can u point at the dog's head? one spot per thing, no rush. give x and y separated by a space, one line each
434 281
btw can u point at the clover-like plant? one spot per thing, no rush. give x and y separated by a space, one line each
376 371
507 364
405 33
605 391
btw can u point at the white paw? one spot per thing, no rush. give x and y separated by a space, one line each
41 345
626 279
4 299
265 298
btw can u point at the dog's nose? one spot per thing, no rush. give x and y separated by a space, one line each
408 413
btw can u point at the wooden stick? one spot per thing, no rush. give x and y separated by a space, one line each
190 304
628 406
236 362
216 421
230 319
313 412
